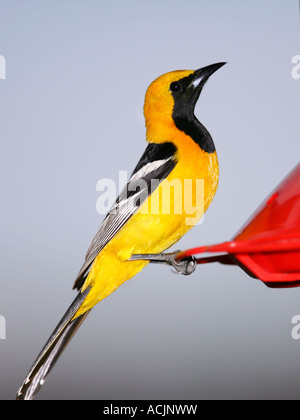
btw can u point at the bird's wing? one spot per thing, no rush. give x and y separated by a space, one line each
156 163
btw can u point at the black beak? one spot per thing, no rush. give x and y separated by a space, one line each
200 76
198 80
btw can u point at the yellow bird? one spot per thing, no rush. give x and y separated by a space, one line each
146 218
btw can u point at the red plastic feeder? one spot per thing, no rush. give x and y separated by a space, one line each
268 246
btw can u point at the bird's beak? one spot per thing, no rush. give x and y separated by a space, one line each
198 80
185 102
203 74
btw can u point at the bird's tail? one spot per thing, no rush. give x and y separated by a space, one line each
52 349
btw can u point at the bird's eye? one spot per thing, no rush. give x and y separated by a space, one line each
175 87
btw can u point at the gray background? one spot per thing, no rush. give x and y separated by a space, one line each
71 114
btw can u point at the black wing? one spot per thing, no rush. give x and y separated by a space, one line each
156 163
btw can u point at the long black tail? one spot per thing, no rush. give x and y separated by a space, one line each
52 349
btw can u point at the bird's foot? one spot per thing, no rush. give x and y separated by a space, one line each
183 266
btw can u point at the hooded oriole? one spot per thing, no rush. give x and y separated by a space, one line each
179 148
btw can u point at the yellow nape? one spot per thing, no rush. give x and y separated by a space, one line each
158 107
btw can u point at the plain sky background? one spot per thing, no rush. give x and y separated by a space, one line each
71 114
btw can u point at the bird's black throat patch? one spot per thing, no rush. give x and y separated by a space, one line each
193 128
183 114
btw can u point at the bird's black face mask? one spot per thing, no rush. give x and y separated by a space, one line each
186 92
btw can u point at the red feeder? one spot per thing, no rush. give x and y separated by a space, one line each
268 246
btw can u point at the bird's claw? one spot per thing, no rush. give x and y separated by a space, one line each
183 266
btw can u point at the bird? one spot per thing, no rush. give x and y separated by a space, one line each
179 148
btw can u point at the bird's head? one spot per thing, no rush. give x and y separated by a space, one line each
172 97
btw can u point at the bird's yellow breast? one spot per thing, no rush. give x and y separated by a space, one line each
160 221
